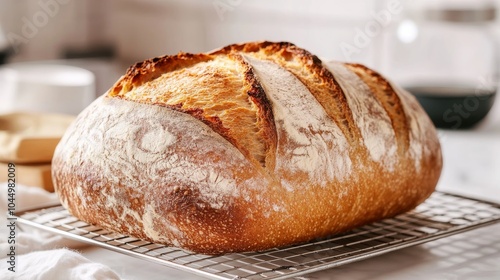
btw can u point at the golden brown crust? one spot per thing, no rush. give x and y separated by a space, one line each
265 119
309 69
150 69
246 148
382 89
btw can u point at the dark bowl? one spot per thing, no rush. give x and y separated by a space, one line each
3 57
5 54
454 107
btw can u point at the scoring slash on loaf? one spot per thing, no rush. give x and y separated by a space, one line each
246 148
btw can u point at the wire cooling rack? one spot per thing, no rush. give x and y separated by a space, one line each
443 214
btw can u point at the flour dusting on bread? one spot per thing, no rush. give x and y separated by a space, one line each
308 140
250 147
373 121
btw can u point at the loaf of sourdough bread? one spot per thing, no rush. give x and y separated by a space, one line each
246 148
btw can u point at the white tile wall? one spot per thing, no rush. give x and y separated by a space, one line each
145 28
41 29
142 29
196 26
152 29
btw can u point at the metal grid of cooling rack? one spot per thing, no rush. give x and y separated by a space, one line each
441 215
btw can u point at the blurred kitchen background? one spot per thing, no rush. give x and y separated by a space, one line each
59 55
106 36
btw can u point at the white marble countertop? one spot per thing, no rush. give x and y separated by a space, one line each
471 167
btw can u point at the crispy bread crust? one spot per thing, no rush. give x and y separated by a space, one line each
249 147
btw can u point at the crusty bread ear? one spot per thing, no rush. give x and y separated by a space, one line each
246 148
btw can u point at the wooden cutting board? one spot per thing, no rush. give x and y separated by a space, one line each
31 137
36 175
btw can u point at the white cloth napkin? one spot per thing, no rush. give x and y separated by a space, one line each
39 254
56 264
